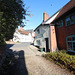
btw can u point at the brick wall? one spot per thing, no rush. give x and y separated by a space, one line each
45 16
62 33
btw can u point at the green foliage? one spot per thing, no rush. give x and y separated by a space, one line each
17 42
13 14
2 42
43 55
63 51
63 58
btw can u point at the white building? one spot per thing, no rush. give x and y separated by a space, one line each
22 35
42 34
45 33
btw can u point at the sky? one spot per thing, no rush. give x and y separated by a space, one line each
38 7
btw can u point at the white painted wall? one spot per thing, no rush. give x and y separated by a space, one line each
44 30
22 37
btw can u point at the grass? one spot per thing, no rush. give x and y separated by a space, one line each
63 59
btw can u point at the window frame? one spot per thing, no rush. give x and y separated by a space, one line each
38 42
58 26
71 36
69 16
38 31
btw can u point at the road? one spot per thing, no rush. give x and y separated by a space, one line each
30 62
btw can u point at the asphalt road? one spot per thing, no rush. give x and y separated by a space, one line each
30 62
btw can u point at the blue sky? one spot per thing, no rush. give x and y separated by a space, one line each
37 8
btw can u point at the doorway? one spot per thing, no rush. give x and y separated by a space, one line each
46 45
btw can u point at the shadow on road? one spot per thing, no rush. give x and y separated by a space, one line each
16 62
9 45
19 68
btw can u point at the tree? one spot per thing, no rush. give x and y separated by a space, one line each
13 14
2 42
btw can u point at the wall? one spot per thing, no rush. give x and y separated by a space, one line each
53 42
22 37
62 33
44 30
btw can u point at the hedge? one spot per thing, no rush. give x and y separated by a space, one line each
63 58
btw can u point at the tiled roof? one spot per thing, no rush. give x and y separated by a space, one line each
66 8
23 31
30 30
60 12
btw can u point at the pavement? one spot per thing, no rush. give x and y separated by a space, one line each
30 62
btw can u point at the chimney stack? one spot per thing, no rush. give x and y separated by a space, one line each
21 27
45 16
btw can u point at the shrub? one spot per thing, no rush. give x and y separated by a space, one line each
63 51
63 58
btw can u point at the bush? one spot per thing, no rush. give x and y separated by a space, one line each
63 51
63 58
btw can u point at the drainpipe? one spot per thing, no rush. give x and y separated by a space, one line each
50 38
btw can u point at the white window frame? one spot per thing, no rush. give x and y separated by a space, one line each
70 41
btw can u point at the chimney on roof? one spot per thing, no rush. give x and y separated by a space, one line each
45 16
21 27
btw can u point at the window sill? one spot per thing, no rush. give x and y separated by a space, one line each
71 51
69 25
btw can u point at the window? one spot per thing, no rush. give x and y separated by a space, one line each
71 43
38 42
70 20
73 18
60 23
38 31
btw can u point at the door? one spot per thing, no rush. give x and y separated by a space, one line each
46 45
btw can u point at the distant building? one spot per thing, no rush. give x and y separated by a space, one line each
32 32
22 35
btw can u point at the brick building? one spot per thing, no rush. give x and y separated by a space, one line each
64 24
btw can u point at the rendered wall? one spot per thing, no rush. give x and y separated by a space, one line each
44 30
